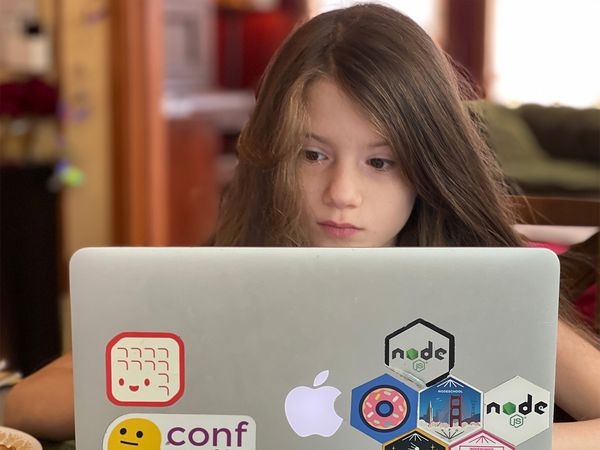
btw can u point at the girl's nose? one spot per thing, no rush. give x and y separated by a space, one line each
343 188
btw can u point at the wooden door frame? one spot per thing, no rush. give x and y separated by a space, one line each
139 146
465 38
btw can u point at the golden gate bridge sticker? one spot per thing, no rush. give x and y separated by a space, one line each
450 410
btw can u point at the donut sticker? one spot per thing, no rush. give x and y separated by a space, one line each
384 408
145 369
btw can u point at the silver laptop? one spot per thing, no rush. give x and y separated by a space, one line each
313 348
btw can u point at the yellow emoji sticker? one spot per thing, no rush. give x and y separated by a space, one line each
138 433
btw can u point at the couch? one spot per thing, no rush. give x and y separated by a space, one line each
545 150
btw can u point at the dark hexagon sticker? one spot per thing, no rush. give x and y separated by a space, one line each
420 352
415 440
516 410
450 410
384 408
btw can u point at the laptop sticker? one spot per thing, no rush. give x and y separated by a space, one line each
420 352
384 408
135 432
415 440
311 410
145 369
482 441
517 410
182 431
450 410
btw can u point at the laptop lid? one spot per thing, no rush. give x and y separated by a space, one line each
314 348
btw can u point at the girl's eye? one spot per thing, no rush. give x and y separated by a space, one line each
380 163
313 155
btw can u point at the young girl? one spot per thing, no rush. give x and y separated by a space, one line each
360 138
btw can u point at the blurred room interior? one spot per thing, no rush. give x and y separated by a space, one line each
119 119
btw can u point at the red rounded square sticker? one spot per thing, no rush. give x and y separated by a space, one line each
145 369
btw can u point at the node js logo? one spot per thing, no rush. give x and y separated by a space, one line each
426 354
525 408
421 350
516 410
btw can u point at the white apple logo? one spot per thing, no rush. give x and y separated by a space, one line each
311 411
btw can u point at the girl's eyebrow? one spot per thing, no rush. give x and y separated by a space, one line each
325 141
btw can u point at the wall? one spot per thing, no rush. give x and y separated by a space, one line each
84 72
79 30
82 65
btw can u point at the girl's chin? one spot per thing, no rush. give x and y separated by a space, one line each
343 243
350 243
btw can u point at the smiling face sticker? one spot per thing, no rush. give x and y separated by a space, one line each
143 431
144 369
140 434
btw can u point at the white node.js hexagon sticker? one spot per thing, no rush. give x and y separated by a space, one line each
145 369
421 352
516 410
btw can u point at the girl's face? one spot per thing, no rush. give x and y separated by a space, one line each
353 192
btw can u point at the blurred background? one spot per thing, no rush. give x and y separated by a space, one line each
118 122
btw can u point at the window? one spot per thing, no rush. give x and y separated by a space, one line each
545 52
424 12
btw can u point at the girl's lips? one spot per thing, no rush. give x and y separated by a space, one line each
339 229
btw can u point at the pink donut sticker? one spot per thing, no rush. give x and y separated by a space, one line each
384 408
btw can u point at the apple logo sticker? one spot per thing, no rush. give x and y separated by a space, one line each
311 411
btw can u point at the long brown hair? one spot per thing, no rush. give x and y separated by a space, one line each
387 64
408 88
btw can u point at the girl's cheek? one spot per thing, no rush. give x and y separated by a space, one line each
311 171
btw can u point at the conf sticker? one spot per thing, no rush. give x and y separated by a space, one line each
145 369
181 431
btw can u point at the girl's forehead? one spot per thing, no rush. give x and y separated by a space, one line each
325 94
333 115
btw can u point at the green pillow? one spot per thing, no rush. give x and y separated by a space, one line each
523 159
510 136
